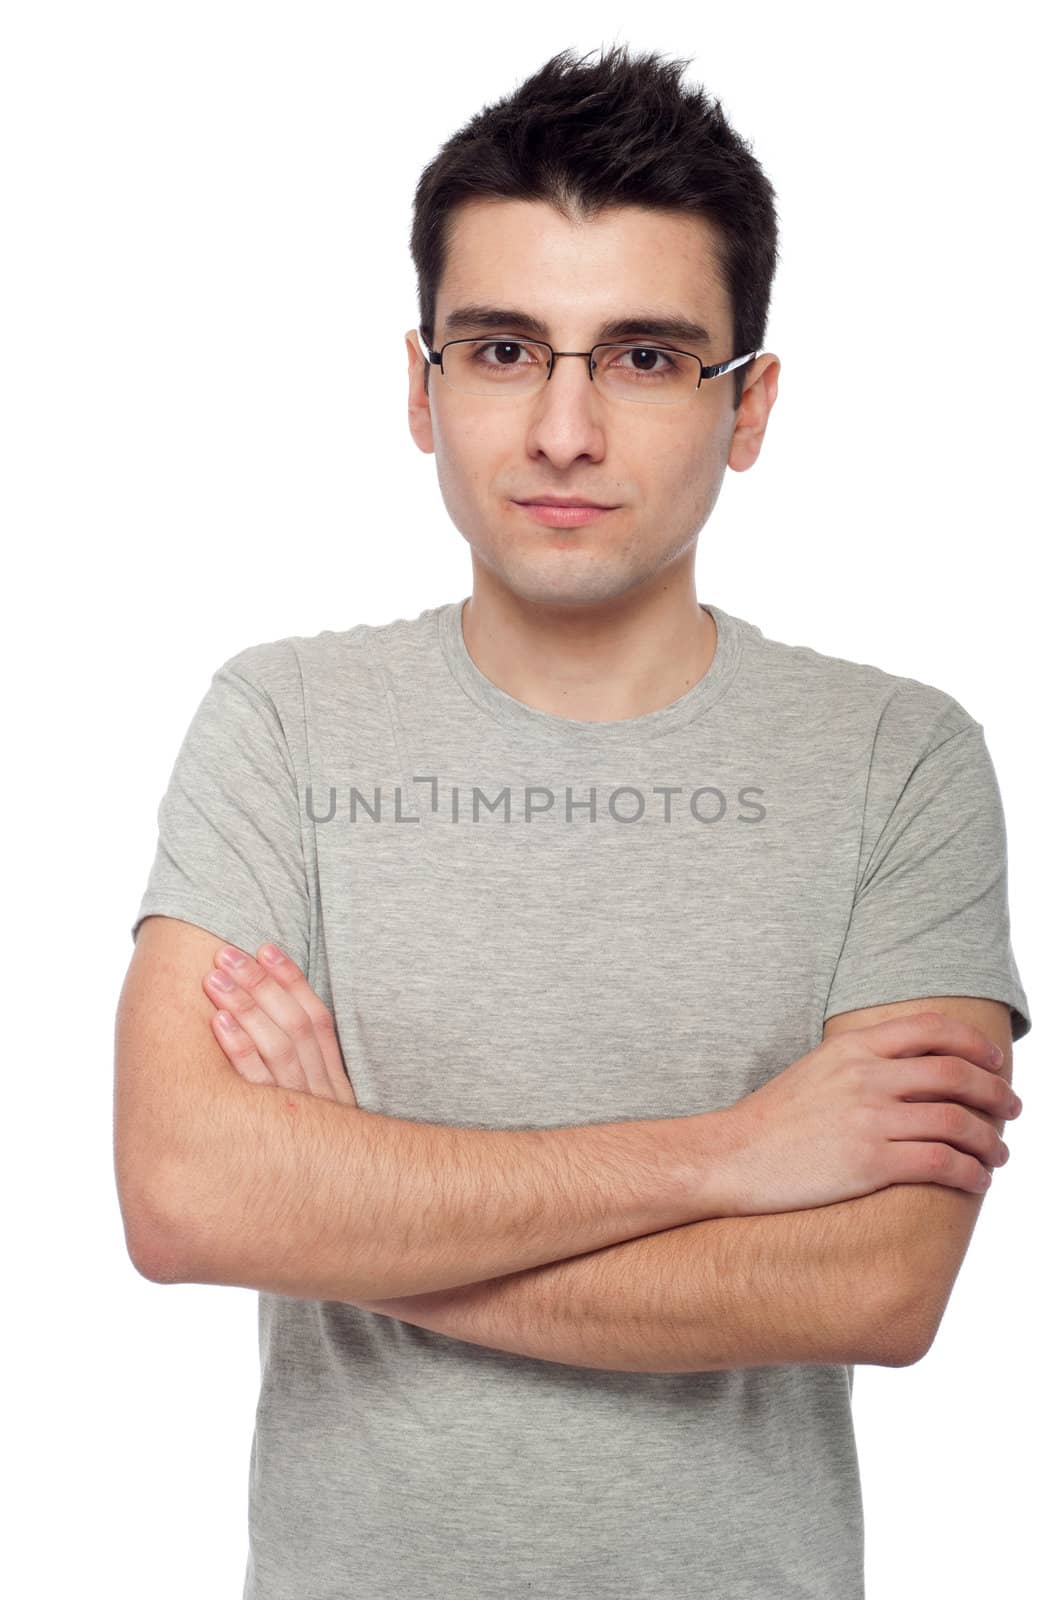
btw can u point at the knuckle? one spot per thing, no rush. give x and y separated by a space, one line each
953 1119
323 1024
862 1072
285 1054
939 1158
302 1028
951 1071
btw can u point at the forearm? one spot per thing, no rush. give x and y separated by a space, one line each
793 1287
297 1195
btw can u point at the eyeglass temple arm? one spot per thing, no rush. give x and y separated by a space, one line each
727 366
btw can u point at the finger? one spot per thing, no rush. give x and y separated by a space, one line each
287 974
947 1123
235 989
281 1007
923 1162
240 1049
939 1077
924 1033
234 1039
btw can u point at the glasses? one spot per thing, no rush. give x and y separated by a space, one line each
657 375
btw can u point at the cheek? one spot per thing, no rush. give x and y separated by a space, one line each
480 468
683 483
466 481
682 468
468 450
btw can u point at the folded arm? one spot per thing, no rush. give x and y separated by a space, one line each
796 1287
228 1181
865 1281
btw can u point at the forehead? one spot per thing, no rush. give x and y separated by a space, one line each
583 277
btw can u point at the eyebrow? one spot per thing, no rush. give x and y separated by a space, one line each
653 325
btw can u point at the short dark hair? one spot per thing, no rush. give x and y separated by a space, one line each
620 131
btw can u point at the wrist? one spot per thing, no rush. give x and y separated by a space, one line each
713 1139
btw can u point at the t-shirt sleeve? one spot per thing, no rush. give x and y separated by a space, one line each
930 912
230 854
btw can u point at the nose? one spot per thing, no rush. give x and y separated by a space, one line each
567 417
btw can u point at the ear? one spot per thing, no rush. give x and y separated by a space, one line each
751 419
420 413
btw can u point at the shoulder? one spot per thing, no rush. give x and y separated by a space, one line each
280 670
837 701
334 660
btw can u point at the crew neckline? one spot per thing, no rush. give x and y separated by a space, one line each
514 713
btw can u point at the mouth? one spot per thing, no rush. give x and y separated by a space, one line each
556 515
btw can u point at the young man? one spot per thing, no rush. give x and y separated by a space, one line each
640 974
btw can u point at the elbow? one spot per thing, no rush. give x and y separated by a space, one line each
911 1346
900 1356
153 1250
916 1341
897 1335
152 1241
891 1354
158 1261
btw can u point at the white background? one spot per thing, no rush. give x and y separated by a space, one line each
206 210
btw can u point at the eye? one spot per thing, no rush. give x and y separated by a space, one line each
663 358
508 345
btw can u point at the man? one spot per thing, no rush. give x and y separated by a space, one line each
640 975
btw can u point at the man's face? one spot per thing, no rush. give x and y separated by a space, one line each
660 465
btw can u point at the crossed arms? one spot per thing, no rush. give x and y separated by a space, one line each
862 1281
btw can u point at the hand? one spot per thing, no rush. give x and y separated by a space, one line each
280 1031
863 1110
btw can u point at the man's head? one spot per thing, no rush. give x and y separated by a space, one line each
593 194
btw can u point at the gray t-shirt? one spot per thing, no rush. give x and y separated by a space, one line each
534 922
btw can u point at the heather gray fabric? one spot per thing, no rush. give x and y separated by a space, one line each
660 922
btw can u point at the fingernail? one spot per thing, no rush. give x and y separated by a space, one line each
219 980
225 1020
232 958
997 1055
271 953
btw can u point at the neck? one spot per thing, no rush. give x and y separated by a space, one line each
590 661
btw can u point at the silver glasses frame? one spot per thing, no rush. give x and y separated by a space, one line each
716 371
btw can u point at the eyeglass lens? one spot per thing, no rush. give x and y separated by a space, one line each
624 371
